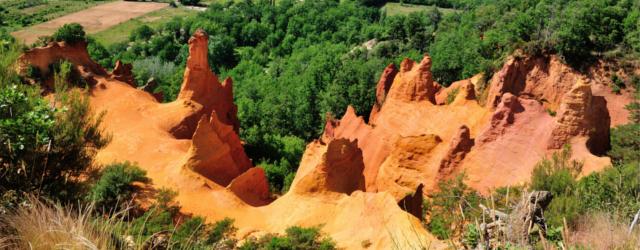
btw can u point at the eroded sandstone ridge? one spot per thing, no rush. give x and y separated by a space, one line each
191 145
494 133
202 86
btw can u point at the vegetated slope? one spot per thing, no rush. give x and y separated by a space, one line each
191 145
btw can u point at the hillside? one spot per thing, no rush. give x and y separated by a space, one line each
236 129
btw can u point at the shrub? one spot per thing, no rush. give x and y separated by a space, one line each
70 33
116 184
556 174
451 96
54 144
298 238
154 67
440 227
222 230
471 236
190 2
446 205
143 32
625 143
99 53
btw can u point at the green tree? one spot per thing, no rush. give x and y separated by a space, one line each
70 33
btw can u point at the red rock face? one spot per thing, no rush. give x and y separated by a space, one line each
55 52
458 148
202 86
384 84
339 170
216 152
502 118
512 133
582 114
252 187
414 82
122 72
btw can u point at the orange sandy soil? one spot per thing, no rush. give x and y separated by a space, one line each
93 20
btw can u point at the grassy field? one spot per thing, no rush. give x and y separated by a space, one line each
405 8
94 19
120 32
17 14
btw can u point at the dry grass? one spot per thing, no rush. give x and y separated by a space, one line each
602 231
44 225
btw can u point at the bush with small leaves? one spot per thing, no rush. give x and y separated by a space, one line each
70 33
115 185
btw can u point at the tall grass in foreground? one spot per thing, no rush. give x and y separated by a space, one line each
45 225
601 231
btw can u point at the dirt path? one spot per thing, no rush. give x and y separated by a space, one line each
93 20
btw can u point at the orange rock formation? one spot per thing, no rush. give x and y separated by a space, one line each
416 138
191 145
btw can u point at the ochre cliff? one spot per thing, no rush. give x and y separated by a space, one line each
494 144
191 145
202 86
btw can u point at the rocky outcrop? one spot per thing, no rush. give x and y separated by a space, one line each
216 152
42 58
122 72
382 89
401 173
54 52
582 114
414 82
459 146
252 187
328 134
339 170
502 118
202 86
150 87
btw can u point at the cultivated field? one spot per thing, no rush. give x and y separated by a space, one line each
121 32
93 20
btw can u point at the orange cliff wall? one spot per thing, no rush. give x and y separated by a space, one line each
494 145
191 145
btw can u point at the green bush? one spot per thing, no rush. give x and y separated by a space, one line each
446 205
297 238
190 2
70 33
143 32
54 144
222 230
625 143
471 236
440 227
557 174
115 185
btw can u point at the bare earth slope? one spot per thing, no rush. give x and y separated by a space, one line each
191 146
